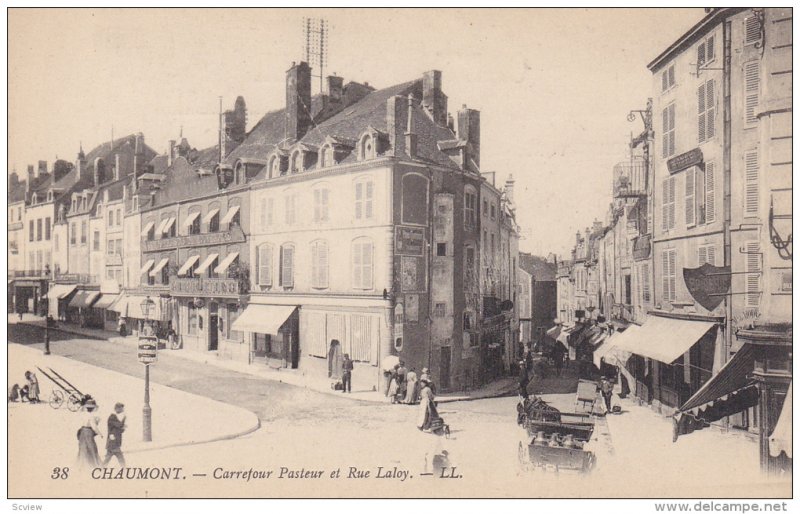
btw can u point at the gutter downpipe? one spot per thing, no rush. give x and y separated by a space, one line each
726 164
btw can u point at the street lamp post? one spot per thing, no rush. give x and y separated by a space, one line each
147 412
47 315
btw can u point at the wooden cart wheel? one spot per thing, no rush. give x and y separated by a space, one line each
74 403
56 399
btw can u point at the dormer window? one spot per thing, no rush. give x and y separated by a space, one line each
326 158
296 162
366 147
49 196
34 199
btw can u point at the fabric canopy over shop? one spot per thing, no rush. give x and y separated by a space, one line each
263 319
553 332
226 262
158 267
730 391
206 263
60 291
597 338
147 266
190 219
158 311
666 339
168 225
84 299
230 214
781 438
147 228
563 337
614 349
210 215
162 226
105 301
188 264
121 305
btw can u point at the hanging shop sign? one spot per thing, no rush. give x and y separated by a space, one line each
693 157
234 234
708 284
409 241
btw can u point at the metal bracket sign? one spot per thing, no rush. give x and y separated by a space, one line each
148 350
693 157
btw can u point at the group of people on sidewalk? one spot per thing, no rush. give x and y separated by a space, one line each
29 392
88 455
404 386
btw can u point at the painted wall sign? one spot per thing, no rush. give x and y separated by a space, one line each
233 235
693 157
409 241
708 284
227 287
412 274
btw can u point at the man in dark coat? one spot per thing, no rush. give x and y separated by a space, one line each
116 425
524 379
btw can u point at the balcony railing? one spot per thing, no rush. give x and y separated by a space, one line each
630 179
76 278
622 311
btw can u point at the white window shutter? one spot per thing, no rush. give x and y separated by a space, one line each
710 128
701 113
665 275
711 257
672 274
701 53
323 265
672 129
356 251
672 202
314 264
751 173
367 265
710 181
358 200
702 255
752 30
665 132
753 274
646 281
664 81
665 204
690 198
710 49
752 88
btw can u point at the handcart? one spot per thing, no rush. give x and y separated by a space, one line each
64 392
586 396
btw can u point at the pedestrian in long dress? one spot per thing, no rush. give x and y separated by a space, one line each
391 393
33 387
411 387
88 457
335 360
116 426
427 408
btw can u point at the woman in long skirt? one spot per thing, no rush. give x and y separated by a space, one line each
427 409
88 456
411 387
33 387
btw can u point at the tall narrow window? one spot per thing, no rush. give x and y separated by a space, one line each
83 232
47 229
668 274
709 181
321 212
288 202
668 78
319 264
470 206
753 274
689 198
668 131
752 30
96 241
362 263
110 218
39 229
363 204
706 122
72 231
287 265
752 90
751 186
644 280
668 204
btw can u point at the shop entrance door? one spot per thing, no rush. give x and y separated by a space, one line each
213 324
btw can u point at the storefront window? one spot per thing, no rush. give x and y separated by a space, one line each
233 315
193 319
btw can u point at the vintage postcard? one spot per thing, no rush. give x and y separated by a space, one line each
400 253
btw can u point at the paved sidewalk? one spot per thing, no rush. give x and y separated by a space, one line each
32 424
309 379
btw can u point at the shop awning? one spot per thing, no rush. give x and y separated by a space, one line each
563 337
60 291
210 215
263 319
159 312
158 267
147 228
188 264
615 348
733 377
781 438
105 301
206 263
121 305
226 262
162 226
553 332
147 266
597 338
84 299
230 214
190 219
168 225
666 339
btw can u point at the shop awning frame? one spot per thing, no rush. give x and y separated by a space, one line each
147 266
190 219
168 226
230 214
61 291
105 301
158 267
210 215
226 262
147 228
732 377
206 263
665 339
188 264
263 319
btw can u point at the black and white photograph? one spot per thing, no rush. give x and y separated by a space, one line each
411 253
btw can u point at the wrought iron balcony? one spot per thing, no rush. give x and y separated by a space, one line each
630 179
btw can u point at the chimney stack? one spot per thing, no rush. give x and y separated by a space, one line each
433 99
510 188
171 152
397 123
298 101
31 177
335 88
597 226
42 168
117 172
469 130
411 137
578 237
138 154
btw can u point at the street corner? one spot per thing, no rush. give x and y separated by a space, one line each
178 418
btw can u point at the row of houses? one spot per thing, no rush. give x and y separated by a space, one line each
686 286
359 215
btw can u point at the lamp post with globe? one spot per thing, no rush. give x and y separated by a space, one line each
147 413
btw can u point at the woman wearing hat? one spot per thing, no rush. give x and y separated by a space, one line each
427 409
88 457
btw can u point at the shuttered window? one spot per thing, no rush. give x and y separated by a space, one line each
689 199
362 263
668 204
752 30
752 90
312 326
706 254
287 265
668 131
288 202
319 264
751 173
752 274
710 209
362 345
364 194
265 265
668 272
706 122
644 281
321 212
668 78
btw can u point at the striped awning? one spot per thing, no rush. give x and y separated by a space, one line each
188 264
190 219
147 228
84 299
206 263
230 214
733 377
210 215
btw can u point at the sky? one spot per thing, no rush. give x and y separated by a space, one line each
554 86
